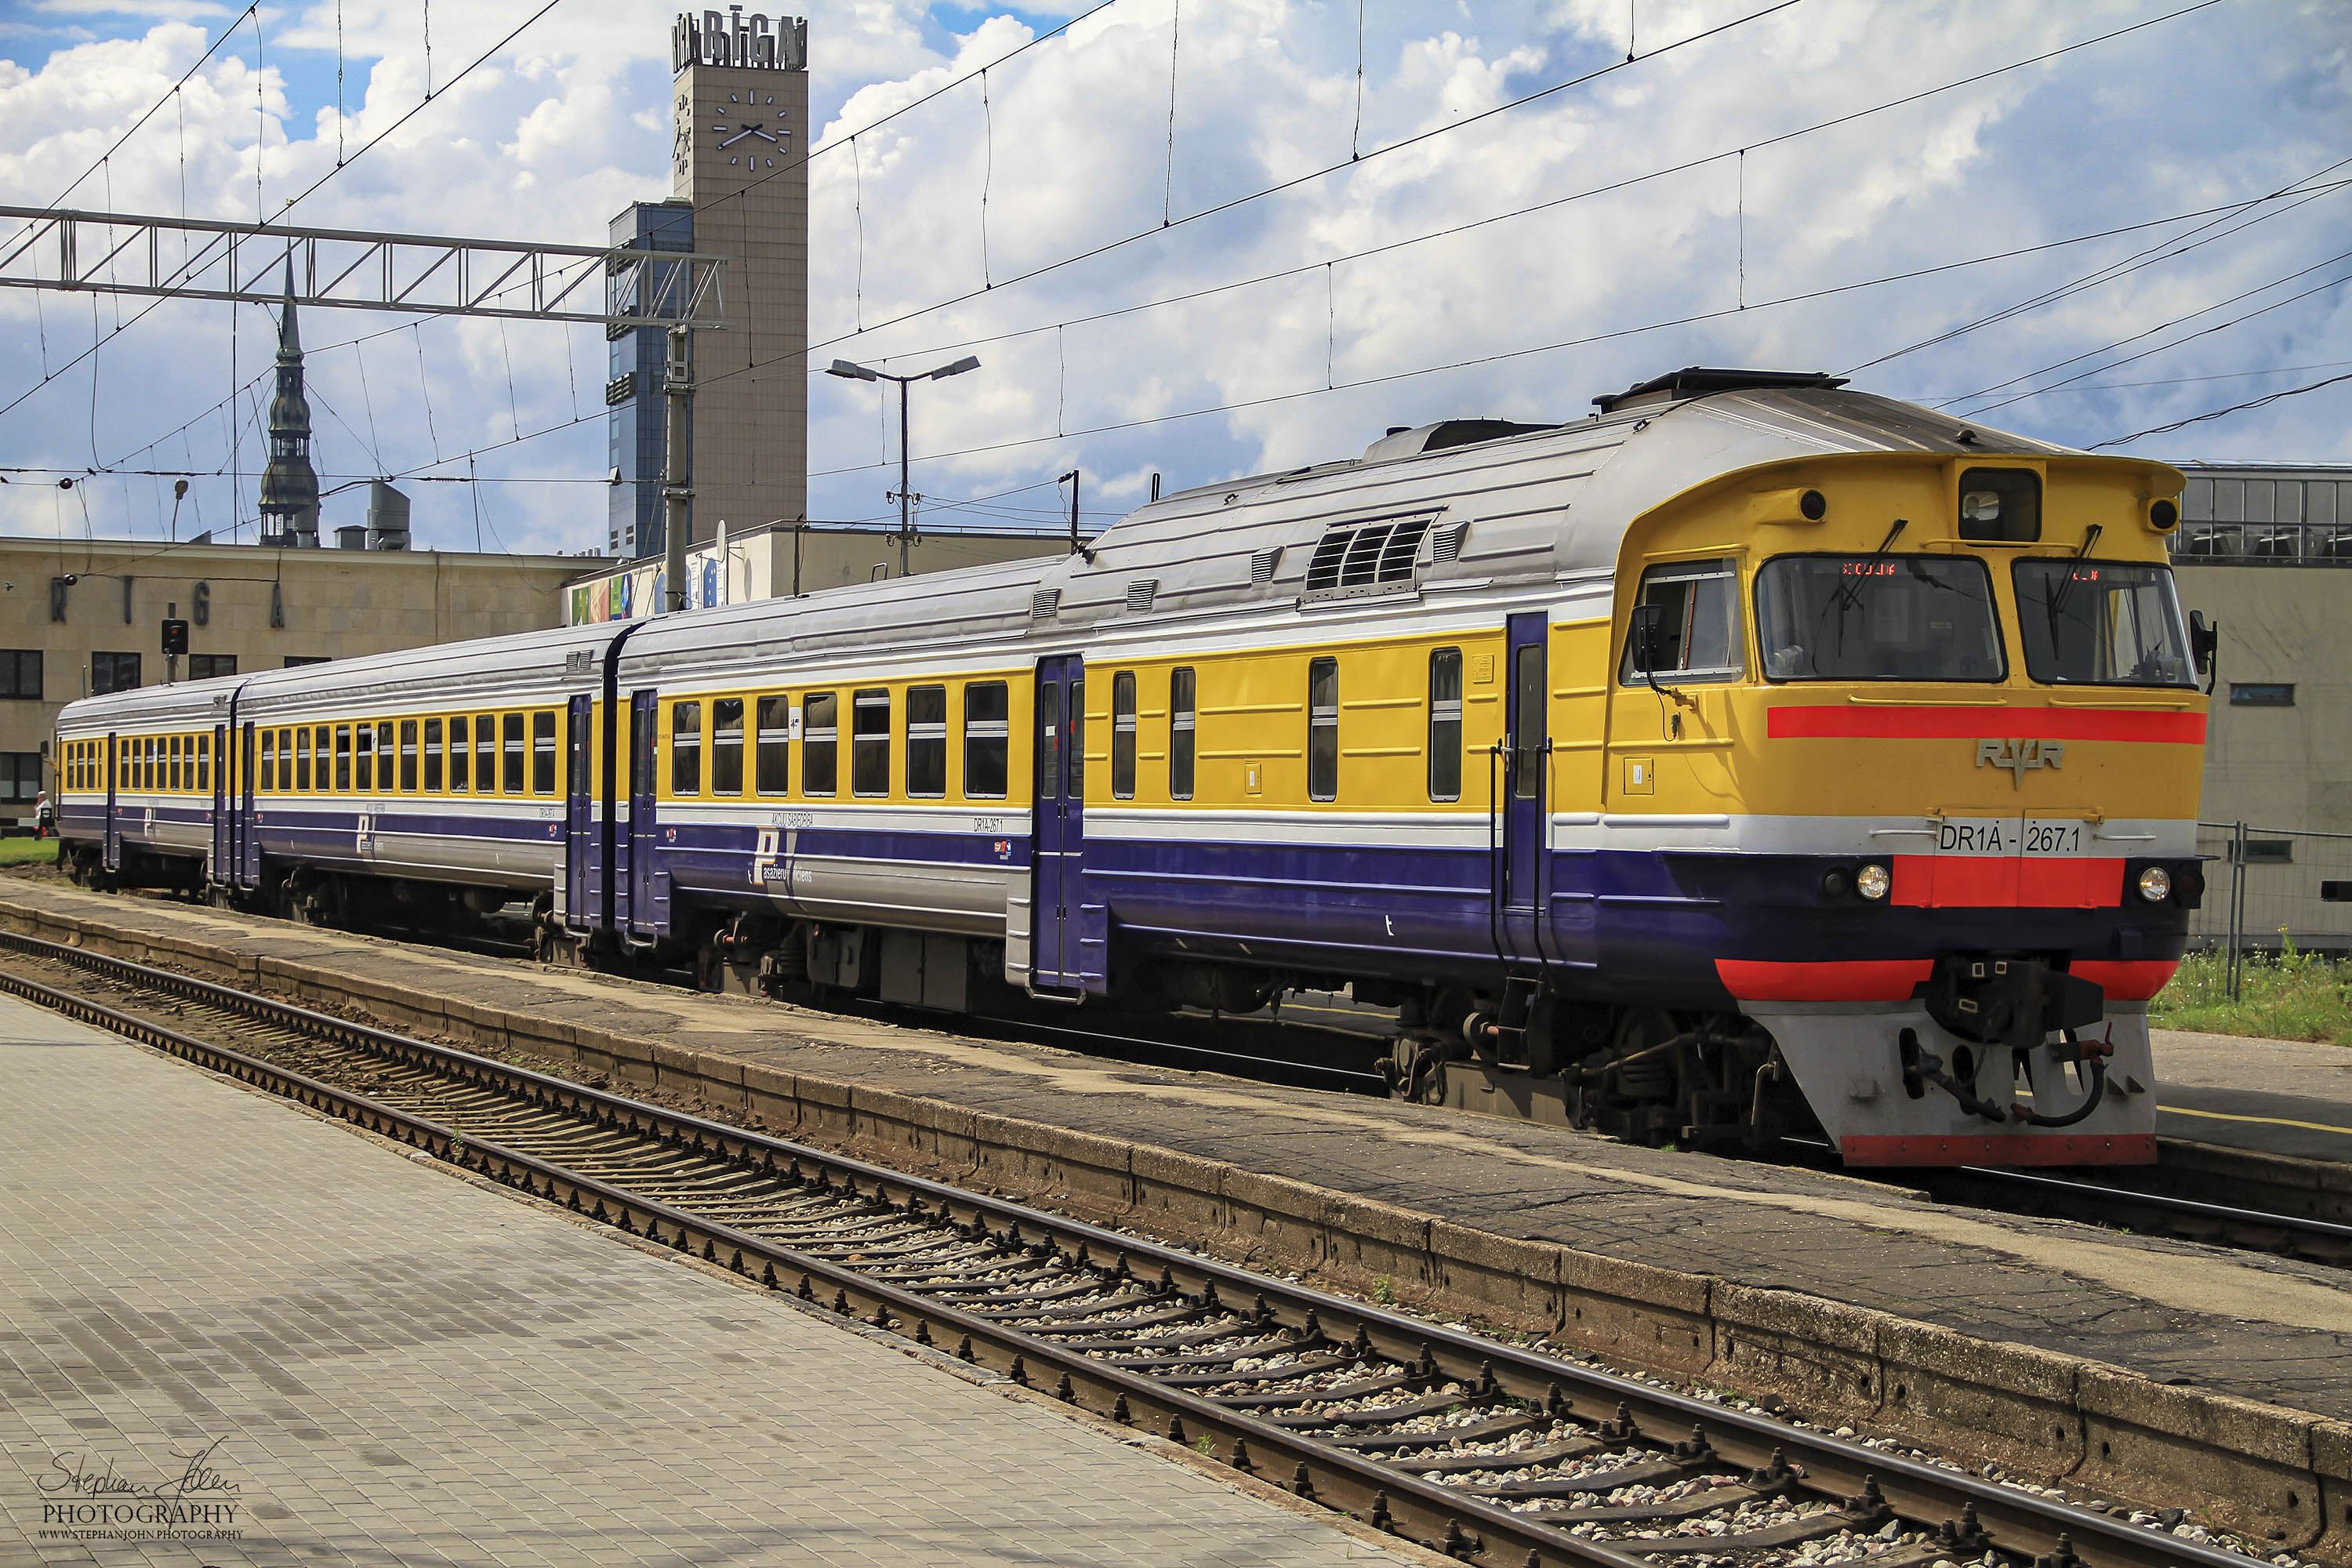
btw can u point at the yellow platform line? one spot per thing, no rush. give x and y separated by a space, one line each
2262 1121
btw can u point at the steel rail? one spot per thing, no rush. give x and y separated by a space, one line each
2014 1522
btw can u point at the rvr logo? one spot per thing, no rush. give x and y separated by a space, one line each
2020 756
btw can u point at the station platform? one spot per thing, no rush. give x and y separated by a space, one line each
2038 1336
232 1333
2275 1097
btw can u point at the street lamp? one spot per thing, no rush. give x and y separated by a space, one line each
906 499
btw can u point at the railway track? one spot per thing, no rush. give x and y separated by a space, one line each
1489 1452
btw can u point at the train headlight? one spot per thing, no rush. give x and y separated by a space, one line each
1872 882
2156 884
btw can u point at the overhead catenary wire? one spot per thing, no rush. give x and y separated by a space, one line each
2218 413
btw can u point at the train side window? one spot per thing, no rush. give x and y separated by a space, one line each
408 756
343 756
155 762
302 759
927 741
384 753
511 780
987 738
486 753
433 756
727 745
1183 720
1323 728
204 761
820 745
869 742
686 747
284 761
172 764
1122 735
1692 619
775 763
1445 724
542 751
363 761
459 747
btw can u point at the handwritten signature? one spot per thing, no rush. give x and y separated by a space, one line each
72 1474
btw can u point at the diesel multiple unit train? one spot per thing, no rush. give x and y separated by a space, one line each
1755 757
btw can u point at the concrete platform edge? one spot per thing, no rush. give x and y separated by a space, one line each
2264 1469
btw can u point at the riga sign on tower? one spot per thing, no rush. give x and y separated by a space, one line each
747 43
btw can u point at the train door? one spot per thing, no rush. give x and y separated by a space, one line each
1525 805
221 869
648 885
579 818
112 837
248 843
1057 833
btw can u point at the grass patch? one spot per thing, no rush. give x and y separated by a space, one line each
2293 996
28 851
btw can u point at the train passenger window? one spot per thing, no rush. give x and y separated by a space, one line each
987 738
820 744
1183 716
459 743
511 754
408 756
433 756
686 747
1445 724
486 753
154 769
204 761
385 752
284 761
322 758
727 745
343 756
1323 728
302 759
1122 735
1692 629
172 766
869 742
1049 740
363 761
775 764
2002 506
927 741
1078 740
542 751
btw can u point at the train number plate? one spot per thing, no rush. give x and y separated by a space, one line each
2032 837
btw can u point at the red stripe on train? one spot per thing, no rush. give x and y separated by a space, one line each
2030 1148
2006 882
1855 980
1792 722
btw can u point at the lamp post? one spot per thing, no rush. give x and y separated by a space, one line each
903 495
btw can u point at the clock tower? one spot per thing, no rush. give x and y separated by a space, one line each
739 160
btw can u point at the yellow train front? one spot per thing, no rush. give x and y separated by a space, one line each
1898 770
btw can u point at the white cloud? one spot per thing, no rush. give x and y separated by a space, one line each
555 135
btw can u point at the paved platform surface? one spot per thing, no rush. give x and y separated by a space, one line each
353 1359
2261 1328
2282 1096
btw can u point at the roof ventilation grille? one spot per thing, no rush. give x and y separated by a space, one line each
579 662
1446 544
1139 593
1366 557
1045 602
1264 562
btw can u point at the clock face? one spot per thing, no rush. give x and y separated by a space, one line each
748 129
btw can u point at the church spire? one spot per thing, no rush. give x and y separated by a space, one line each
290 486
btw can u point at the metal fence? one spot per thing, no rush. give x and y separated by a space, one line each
2265 887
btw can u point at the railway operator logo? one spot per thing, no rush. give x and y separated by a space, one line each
2020 757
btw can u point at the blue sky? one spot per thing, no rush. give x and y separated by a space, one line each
2189 115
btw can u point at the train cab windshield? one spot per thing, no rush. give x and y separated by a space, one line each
1877 617
2101 622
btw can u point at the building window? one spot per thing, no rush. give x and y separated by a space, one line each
1323 728
1122 735
20 773
775 763
433 756
727 745
293 661
1445 724
206 666
542 751
820 745
869 742
686 747
927 741
2264 852
1182 714
20 673
457 755
512 753
987 738
112 672
2261 694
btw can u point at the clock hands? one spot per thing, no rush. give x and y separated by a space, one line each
753 129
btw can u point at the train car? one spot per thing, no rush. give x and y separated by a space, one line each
1753 758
